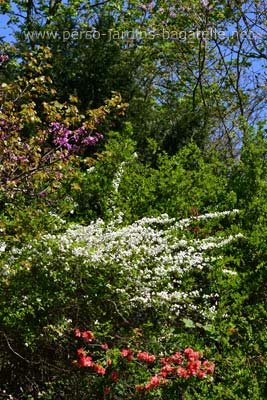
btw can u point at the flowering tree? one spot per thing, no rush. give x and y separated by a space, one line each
39 135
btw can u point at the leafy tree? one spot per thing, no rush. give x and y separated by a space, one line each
169 82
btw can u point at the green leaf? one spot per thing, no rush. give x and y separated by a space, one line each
188 323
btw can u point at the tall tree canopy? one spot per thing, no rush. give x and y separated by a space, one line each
188 70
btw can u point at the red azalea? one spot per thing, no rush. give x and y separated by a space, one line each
100 370
88 336
77 332
191 354
201 374
146 357
80 352
193 367
176 358
182 372
209 366
166 370
85 361
154 381
114 376
128 354
125 352
104 346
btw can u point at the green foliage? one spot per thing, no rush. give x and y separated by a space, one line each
185 184
50 286
81 278
131 270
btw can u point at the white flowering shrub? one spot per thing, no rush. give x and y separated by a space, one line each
152 269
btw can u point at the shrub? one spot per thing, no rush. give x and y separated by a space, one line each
154 275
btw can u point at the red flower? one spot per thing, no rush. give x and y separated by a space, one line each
77 332
125 352
191 354
182 372
128 354
154 381
209 366
88 336
100 370
80 352
109 361
85 361
114 376
146 357
167 370
201 374
104 346
176 358
193 367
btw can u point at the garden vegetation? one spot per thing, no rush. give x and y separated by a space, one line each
133 253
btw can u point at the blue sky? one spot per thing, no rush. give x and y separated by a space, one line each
5 30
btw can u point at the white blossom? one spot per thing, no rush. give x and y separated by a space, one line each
150 259
2 247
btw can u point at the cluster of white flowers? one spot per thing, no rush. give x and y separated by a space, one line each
149 260
2 247
116 185
117 178
57 217
188 221
152 255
